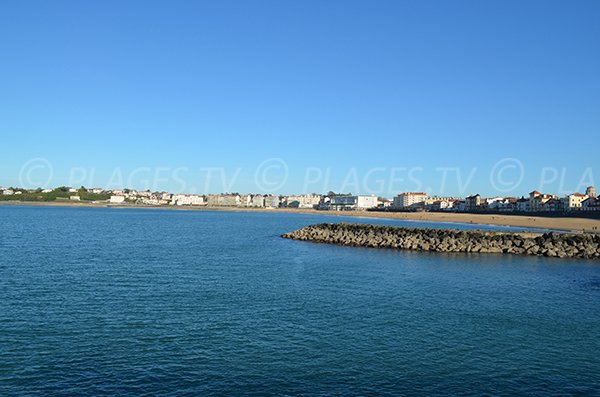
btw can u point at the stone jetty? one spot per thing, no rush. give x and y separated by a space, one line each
552 244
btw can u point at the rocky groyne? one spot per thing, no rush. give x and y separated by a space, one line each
552 244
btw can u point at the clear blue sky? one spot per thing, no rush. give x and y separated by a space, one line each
337 85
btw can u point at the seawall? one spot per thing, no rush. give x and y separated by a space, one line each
552 244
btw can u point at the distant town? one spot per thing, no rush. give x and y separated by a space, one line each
534 202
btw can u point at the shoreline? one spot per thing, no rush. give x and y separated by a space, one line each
565 224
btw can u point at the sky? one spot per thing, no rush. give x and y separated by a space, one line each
369 97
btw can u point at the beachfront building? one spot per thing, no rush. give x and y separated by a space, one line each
258 201
383 202
308 201
590 204
325 205
366 202
459 206
537 200
491 203
472 203
441 205
522 205
229 200
188 199
212 200
75 198
553 205
504 204
223 200
343 203
271 201
590 191
410 200
429 200
117 199
151 201
573 201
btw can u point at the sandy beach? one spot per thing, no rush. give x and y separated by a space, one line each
566 223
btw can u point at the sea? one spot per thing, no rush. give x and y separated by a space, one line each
129 302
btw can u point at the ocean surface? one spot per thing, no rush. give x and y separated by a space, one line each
97 301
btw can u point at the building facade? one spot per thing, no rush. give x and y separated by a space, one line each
308 201
117 199
573 201
366 202
409 200
472 203
590 191
343 203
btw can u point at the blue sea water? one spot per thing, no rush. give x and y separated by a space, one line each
98 301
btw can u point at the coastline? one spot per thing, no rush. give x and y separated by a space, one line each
565 224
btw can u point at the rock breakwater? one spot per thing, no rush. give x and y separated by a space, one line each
552 244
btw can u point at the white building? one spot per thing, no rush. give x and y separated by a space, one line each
492 202
366 202
258 201
150 201
573 201
441 205
117 199
187 199
504 205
